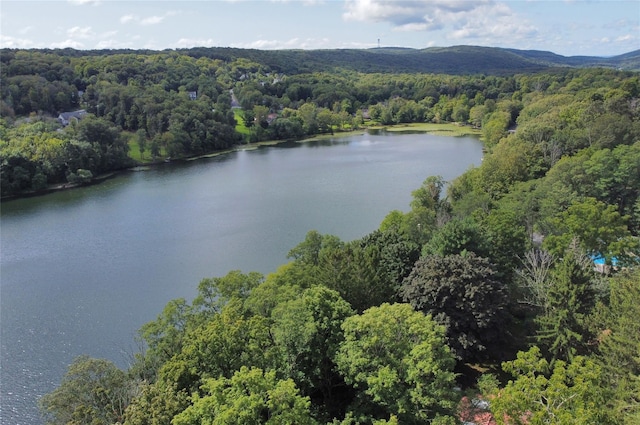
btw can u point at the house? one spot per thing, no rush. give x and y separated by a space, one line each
475 412
65 118
193 95
271 118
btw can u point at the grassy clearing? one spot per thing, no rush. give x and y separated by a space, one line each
447 129
134 150
240 127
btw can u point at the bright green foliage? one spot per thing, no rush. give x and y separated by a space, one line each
398 360
462 293
620 345
163 337
570 298
599 228
280 286
93 391
220 347
458 236
541 394
156 404
215 293
428 194
308 332
250 396
309 251
510 161
506 235
495 127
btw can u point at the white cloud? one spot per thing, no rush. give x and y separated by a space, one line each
626 37
8 42
79 33
401 13
492 22
113 44
85 2
152 20
149 20
295 43
127 18
25 30
74 44
484 20
185 43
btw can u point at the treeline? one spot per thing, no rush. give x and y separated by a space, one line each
179 104
482 298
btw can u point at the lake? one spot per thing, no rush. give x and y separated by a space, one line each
82 270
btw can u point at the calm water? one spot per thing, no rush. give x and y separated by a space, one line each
82 270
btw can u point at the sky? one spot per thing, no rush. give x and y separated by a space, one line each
566 27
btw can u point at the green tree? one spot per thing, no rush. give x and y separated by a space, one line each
220 346
619 345
570 298
397 360
462 293
215 293
163 338
599 228
458 236
156 404
141 140
544 394
307 331
250 396
93 391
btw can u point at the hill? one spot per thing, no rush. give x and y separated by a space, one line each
457 60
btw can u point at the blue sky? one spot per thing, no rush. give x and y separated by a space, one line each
567 27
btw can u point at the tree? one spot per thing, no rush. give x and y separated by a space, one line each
250 396
570 298
458 236
619 345
220 346
215 293
163 337
533 277
93 391
141 140
156 404
599 228
564 393
307 331
461 293
398 361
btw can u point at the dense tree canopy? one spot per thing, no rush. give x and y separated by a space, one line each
398 359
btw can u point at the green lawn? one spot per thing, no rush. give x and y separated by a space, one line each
446 129
134 150
240 127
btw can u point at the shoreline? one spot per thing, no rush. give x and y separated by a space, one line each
447 129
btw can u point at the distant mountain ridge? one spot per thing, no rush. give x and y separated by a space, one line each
456 60
446 60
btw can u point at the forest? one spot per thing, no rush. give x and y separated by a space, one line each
512 291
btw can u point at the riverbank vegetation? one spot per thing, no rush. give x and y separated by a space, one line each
159 105
482 298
